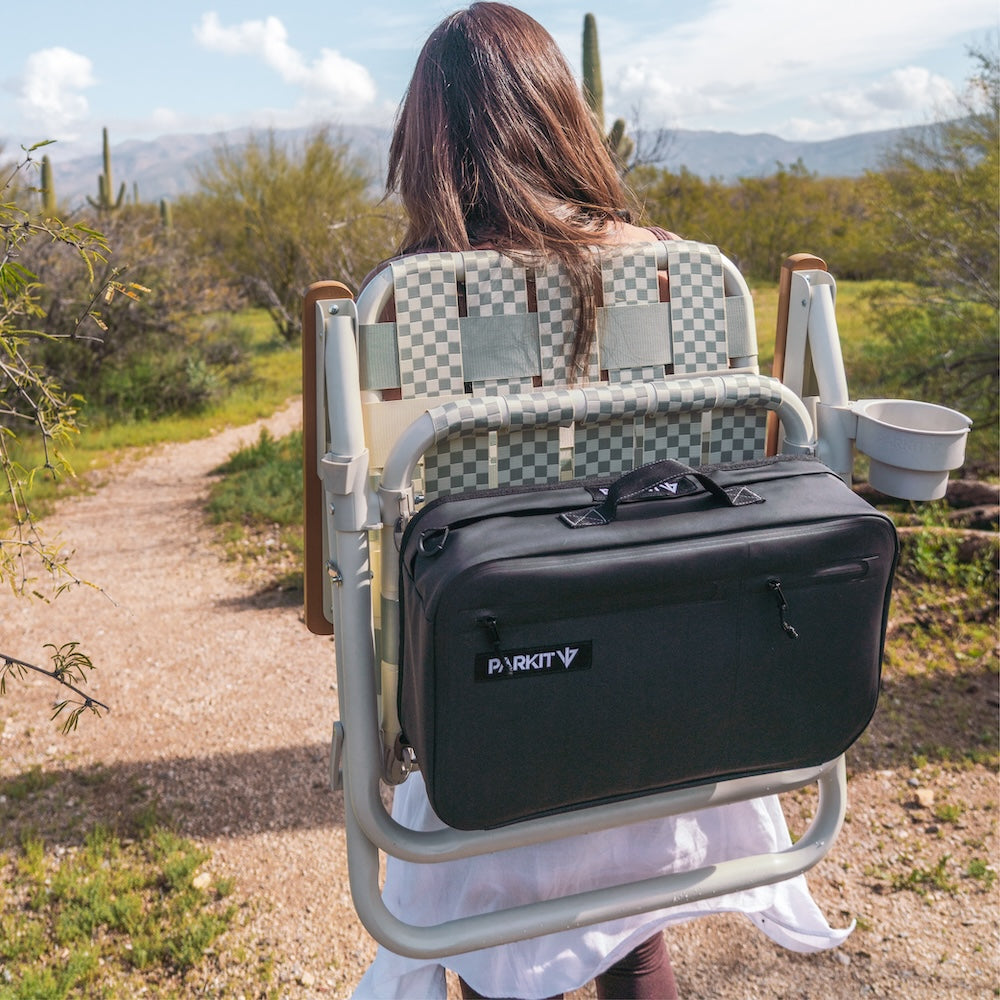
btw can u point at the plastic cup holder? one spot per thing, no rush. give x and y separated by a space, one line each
912 445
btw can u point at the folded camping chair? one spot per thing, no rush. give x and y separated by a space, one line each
467 389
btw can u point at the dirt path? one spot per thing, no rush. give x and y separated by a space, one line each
222 704
222 701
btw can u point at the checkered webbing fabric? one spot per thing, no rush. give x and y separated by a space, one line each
676 432
528 457
738 434
675 435
428 337
596 403
460 463
456 465
429 344
623 432
629 279
698 329
480 414
697 307
606 447
601 405
495 286
556 327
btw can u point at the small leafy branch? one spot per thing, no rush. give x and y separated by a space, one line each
30 398
36 414
70 668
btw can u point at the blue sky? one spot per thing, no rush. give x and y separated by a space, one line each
797 70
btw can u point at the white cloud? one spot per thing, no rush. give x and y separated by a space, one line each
50 88
332 78
766 41
730 64
910 89
898 98
644 90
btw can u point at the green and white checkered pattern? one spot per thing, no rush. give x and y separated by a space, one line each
528 456
622 424
630 278
697 307
528 453
678 432
495 286
736 435
461 462
672 435
457 465
605 445
596 403
557 326
605 449
428 336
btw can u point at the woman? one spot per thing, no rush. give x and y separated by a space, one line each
494 147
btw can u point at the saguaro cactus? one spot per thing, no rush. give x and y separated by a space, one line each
48 188
105 185
619 144
593 85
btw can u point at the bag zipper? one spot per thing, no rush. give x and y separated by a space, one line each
774 585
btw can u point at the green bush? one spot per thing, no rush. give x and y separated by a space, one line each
262 483
933 555
259 500
78 922
940 348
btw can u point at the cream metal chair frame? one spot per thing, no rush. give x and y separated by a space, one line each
351 498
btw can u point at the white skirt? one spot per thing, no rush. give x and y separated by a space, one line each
559 963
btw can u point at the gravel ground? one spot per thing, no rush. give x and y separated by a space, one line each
222 704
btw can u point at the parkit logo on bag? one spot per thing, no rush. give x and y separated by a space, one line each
676 488
503 664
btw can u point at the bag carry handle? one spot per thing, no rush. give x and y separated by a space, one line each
654 476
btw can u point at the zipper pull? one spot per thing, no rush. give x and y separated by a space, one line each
489 623
775 587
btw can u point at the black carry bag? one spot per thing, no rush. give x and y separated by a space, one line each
580 643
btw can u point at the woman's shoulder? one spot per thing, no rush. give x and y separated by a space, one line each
662 234
625 233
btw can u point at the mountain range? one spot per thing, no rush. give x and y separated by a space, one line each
167 167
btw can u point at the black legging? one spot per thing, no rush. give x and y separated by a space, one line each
645 973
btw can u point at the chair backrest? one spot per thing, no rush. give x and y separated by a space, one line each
481 324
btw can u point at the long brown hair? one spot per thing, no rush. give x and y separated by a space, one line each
494 146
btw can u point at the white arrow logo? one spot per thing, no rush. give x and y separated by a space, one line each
567 655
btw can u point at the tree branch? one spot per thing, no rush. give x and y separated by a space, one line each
69 668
